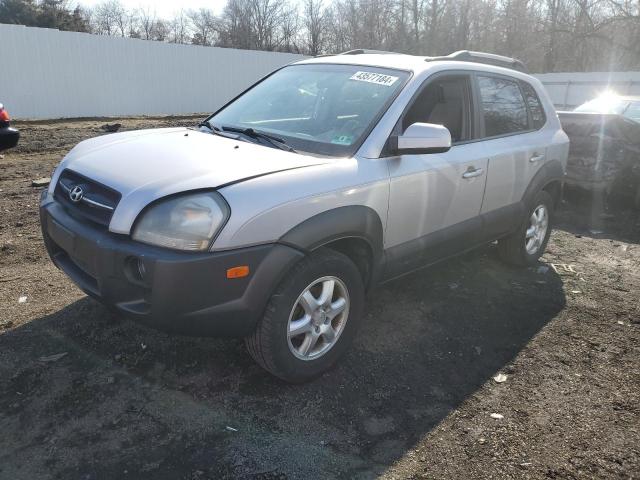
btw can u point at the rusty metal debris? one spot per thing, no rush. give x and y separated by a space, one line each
604 154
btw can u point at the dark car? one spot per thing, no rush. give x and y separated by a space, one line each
604 156
8 136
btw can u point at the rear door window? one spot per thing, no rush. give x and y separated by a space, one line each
503 107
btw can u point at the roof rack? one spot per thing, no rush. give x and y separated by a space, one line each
362 51
481 57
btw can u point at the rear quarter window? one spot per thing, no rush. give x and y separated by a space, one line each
503 107
538 116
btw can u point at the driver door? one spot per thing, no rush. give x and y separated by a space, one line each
435 199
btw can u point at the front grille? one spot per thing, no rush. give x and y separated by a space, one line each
93 200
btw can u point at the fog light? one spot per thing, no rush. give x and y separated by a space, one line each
142 269
136 269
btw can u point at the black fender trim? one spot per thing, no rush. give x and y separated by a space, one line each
352 221
551 171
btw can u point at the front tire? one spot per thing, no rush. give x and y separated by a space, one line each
528 243
311 318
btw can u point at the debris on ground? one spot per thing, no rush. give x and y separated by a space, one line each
41 182
111 127
561 268
22 299
231 429
497 416
500 378
53 358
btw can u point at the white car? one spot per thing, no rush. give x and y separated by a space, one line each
275 217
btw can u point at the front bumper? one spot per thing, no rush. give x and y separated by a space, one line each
179 292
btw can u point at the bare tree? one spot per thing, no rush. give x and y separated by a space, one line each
204 26
161 31
416 11
147 21
547 34
289 27
265 16
179 27
106 16
315 26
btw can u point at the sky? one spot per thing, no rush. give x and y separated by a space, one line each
163 8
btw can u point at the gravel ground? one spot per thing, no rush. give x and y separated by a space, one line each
414 398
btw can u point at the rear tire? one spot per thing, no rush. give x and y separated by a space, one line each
311 318
528 243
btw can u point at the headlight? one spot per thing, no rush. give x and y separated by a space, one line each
187 222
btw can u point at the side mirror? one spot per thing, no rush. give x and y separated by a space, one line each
423 138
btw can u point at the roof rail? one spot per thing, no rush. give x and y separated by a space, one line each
362 51
482 57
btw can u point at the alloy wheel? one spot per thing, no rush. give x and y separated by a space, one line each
318 318
537 230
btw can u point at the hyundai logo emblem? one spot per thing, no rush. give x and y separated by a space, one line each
76 193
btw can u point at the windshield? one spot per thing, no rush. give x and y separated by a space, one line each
322 109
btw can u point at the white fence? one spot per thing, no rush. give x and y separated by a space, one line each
51 74
569 90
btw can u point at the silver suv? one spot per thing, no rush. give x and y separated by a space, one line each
275 217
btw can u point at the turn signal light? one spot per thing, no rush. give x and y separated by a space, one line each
238 272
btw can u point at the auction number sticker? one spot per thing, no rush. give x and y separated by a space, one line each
377 78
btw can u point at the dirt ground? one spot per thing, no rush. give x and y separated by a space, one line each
413 399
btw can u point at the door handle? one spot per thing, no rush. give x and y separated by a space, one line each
536 158
473 172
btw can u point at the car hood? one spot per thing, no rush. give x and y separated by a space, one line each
587 124
145 165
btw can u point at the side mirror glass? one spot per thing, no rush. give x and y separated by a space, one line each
424 138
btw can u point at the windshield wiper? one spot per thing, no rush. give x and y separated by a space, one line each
206 123
250 132
216 130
